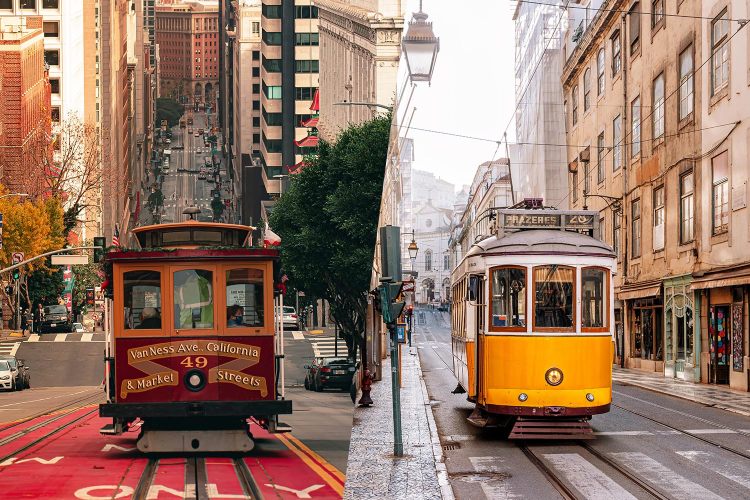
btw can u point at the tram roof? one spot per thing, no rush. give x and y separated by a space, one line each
544 242
193 234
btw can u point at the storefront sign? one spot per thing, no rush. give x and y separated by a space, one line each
737 343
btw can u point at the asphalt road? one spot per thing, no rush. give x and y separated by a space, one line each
652 446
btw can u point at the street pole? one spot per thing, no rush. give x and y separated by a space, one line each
335 339
398 445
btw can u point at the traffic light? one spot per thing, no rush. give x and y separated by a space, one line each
389 292
16 273
100 242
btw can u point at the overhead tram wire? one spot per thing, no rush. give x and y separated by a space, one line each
641 13
646 118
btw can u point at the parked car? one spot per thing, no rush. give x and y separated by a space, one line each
329 373
22 377
78 328
289 317
8 376
56 319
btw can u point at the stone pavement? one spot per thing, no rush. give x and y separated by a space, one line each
372 471
711 395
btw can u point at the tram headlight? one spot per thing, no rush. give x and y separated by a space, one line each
195 380
554 376
590 397
523 397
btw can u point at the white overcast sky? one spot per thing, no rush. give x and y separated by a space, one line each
472 91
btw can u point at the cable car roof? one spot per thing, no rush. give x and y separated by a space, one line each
543 242
193 233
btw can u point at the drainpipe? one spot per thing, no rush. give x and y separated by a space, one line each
625 172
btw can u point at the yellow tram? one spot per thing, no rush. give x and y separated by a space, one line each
532 323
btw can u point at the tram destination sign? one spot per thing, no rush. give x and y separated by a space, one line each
579 221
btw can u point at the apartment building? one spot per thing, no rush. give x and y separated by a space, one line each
25 96
360 46
187 33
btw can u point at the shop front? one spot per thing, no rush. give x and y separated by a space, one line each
680 330
644 326
724 317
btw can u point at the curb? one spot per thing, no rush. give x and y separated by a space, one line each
446 492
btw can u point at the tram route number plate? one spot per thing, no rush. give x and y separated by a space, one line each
568 221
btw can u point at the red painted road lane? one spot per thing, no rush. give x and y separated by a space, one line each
15 444
76 463
221 478
280 473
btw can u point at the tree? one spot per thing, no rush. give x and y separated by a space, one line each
87 276
168 109
327 220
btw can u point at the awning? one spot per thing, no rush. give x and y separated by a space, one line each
720 281
311 141
297 168
315 106
312 122
639 291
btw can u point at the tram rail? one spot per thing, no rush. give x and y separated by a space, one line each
85 400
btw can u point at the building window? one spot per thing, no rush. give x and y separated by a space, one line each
586 89
256 28
600 158
51 29
687 208
256 88
272 119
658 220
634 18
52 57
574 98
272 37
657 13
50 4
256 121
256 55
635 250
55 114
256 138
616 143
719 52
271 11
6 4
271 145
304 93
272 91
616 53
307 39
28 4
306 12
54 84
574 186
256 71
720 175
600 72
428 260
616 233
272 65
635 129
256 105
445 263
686 83
658 106
305 66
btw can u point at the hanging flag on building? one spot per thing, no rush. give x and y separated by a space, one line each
270 238
116 236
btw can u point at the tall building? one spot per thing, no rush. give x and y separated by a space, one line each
25 96
187 33
360 46
540 116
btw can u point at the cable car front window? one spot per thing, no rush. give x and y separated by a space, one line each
508 298
594 298
142 298
193 299
554 297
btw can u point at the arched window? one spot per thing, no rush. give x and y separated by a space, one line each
587 89
428 260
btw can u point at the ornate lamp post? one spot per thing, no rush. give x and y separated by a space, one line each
420 46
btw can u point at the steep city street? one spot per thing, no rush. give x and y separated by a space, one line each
647 446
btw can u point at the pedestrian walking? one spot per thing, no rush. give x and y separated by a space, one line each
24 322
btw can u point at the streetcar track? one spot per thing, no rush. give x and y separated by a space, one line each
146 480
22 421
45 436
547 472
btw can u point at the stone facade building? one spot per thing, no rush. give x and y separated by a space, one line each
25 96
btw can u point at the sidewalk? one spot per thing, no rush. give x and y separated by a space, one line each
711 395
372 471
11 335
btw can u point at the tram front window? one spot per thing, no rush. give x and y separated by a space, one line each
508 297
142 294
244 298
193 299
554 295
594 298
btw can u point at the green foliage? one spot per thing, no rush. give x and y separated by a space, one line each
168 109
327 221
45 285
88 276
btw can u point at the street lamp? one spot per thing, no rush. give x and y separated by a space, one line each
281 178
420 46
413 248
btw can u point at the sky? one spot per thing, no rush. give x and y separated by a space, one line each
472 90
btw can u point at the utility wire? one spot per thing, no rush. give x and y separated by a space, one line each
623 11
644 120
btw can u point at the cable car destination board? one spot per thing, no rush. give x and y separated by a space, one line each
580 221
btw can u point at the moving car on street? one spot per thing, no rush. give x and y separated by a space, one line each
78 328
22 377
289 317
329 373
56 319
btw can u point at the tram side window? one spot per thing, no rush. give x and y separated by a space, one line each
244 297
594 298
142 298
554 297
508 297
193 299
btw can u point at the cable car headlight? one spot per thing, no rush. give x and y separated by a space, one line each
554 376
195 380
590 397
523 397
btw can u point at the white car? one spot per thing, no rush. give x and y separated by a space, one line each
289 317
78 328
8 376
